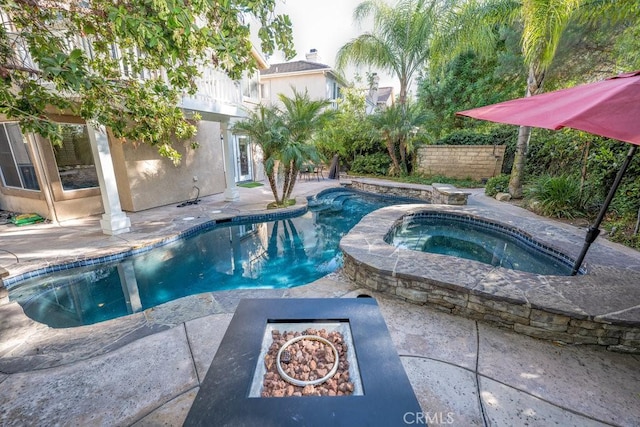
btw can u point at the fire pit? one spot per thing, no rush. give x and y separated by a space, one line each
306 359
305 362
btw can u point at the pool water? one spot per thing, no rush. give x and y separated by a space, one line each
239 255
479 241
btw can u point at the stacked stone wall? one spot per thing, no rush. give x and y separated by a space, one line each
444 194
521 318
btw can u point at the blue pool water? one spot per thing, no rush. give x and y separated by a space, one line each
239 255
478 240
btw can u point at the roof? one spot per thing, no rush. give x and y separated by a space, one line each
384 93
294 67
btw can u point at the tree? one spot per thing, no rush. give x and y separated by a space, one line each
348 134
302 116
284 135
467 82
398 126
543 24
85 58
400 41
266 129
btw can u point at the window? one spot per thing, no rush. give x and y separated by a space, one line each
250 86
74 159
264 90
16 166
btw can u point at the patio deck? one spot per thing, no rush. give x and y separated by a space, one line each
146 368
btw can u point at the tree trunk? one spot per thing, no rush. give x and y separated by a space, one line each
403 155
519 162
402 96
583 172
271 177
292 182
394 159
287 182
534 87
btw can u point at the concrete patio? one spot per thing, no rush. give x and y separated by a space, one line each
145 369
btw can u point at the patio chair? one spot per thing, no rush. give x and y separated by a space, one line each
305 171
317 171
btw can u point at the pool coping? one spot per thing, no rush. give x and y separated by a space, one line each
26 271
601 307
17 273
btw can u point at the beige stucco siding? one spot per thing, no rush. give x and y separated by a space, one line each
317 87
24 205
146 180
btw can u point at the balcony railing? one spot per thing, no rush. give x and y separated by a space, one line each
213 86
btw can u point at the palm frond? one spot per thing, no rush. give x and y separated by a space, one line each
544 23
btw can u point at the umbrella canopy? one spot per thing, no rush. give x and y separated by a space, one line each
609 108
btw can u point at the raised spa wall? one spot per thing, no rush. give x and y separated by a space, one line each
435 193
597 308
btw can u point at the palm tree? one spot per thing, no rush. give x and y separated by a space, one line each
284 135
400 41
543 23
396 126
266 129
302 117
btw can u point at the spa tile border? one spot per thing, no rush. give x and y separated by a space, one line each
522 237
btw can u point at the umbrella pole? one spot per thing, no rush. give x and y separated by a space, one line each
593 231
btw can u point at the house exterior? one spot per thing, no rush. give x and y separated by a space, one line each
93 173
385 97
378 98
318 79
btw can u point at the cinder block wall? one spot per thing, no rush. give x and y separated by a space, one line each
461 161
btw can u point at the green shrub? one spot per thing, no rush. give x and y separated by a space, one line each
621 230
557 196
430 179
371 164
627 199
497 184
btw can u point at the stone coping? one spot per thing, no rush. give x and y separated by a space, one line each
600 307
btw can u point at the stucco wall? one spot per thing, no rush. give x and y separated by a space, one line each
24 205
146 180
461 161
316 86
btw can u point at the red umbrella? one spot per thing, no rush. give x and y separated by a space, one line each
609 108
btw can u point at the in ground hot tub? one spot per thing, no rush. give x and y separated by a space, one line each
477 239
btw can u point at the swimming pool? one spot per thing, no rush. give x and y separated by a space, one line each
283 253
478 240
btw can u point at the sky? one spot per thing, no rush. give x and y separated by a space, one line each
325 25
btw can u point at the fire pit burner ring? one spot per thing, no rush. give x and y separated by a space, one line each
301 383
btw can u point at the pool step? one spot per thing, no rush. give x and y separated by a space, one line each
330 201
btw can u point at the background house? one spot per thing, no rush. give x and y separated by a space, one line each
318 79
385 97
378 98
93 173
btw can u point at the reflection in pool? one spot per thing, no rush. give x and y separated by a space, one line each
478 240
277 254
